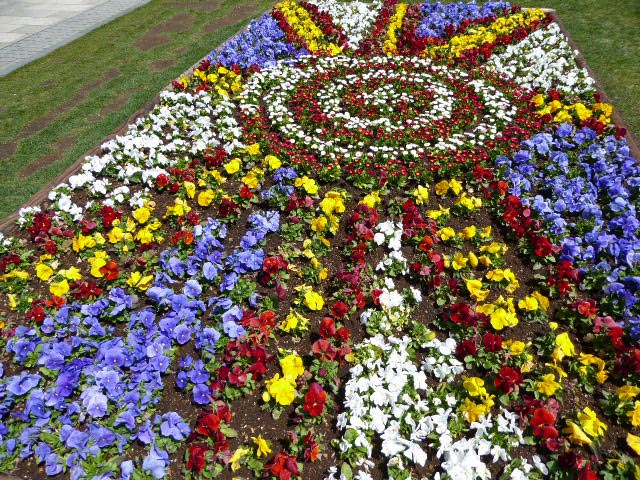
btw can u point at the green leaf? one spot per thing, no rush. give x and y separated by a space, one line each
346 471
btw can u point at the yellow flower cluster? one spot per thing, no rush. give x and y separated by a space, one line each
332 205
573 113
301 22
223 81
283 389
473 411
501 312
390 46
590 428
476 36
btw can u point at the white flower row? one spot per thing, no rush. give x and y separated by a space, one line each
543 60
181 126
355 18
388 395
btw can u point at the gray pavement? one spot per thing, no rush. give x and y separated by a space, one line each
29 29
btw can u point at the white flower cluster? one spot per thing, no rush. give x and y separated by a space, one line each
355 18
275 87
389 395
181 126
543 60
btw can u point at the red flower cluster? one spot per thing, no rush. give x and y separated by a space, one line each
314 400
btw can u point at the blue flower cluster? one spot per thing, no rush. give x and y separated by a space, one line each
587 189
437 16
96 388
262 43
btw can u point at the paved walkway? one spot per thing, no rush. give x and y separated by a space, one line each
29 29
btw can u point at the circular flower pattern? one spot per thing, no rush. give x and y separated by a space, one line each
385 115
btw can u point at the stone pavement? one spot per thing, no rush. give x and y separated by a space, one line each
29 29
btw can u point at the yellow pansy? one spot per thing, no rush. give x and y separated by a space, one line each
294 321
474 287
494 247
141 214
251 180
205 198
319 224
238 455
98 261
582 111
485 261
190 188
292 366
436 214
634 415
422 195
576 434
528 304
273 162
634 443
547 385
564 347
538 100
43 272
474 386
253 149
485 232
517 347
563 116
233 166
82 242
283 390
473 260
459 261
470 203
313 300
333 202
628 392
59 289
139 281
262 449
591 424
468 232
144 235
542 300
371 200
446 233
308 184
71 273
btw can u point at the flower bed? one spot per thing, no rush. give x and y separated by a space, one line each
360 241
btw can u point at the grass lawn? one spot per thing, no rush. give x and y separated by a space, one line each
59 107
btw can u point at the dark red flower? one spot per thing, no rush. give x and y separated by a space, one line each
466 348
327 327
197 459
492 342
284 466
508 380
315 400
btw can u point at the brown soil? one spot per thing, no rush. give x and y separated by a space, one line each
160 65
58 149
157 35
236 14
7 149
115 104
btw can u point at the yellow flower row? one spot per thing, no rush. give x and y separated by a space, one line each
478 35
301 22
225 82
390 46
565 113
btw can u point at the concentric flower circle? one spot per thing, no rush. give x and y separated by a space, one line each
383 116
